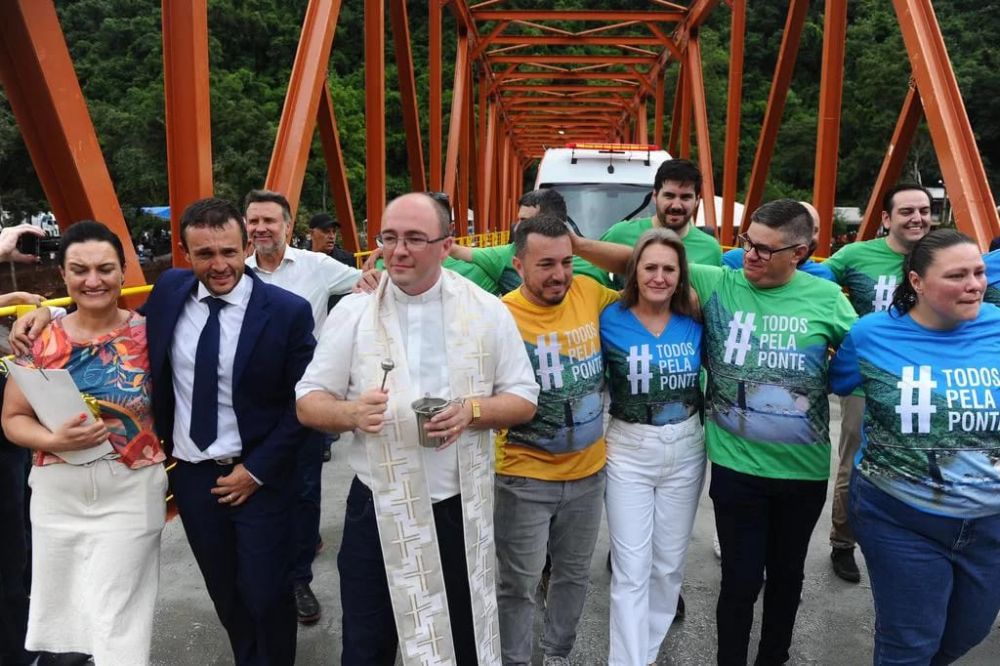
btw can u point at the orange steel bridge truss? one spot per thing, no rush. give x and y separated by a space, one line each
520 84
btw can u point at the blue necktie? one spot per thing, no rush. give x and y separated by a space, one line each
205 397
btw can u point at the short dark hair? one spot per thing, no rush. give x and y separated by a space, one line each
547 200
921 256
88 230
902 187
267 196
679 171
211 212
995 244
544 224
788 216
680 302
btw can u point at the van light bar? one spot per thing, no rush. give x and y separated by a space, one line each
613 146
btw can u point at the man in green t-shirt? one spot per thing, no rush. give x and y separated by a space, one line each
498 262
677 194
870 271
768 329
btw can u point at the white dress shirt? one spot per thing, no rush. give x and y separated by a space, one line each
182 356
421 321
314 276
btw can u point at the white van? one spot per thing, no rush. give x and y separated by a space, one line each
607 183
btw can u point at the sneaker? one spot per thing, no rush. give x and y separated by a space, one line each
306 605
553 660
679 613
716 546
844 565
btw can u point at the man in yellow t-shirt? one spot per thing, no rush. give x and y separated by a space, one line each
550 471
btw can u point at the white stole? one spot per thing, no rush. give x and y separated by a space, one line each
399 486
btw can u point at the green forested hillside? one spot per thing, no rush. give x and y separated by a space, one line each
116 45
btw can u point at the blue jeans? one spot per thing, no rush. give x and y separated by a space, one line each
309 477
934 578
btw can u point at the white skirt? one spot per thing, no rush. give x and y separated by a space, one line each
95 559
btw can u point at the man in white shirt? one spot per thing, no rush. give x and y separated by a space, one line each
414 512
315 277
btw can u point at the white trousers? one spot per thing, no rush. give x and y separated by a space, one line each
654 480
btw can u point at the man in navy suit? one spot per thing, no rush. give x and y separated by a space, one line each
225 352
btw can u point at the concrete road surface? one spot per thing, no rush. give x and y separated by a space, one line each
834 622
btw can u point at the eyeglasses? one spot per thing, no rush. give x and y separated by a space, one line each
764 252
412 241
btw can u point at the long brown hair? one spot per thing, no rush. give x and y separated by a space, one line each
680 301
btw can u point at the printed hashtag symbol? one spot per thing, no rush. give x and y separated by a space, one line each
884 289
741 328
923 407
549 364
639 374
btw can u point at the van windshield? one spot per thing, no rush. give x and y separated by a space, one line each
596 206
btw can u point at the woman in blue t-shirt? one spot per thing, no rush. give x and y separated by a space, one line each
656 445
925 493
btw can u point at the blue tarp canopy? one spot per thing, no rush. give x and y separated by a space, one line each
157 211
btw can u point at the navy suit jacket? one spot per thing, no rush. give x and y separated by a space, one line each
274 348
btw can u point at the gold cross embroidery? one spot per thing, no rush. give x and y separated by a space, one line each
408 499
404 541
421 573
389 463
416 611
433 639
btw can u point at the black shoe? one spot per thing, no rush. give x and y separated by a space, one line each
844 565
679 613
306 604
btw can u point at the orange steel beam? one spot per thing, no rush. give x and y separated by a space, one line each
775 106
658 110
187 110
673 142
685 109
571 75
948 122
828 129
700 105
482 109
574 15
459 92
408 94
642 125
305 86
47 102
734 103
553 89
575 40
374 115
336 169
434 98
893 163
466 170
571 60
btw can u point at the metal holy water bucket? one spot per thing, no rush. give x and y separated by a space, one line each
425 409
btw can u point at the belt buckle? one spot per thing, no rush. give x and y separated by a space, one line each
224 462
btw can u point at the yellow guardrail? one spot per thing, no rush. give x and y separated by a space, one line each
19 310
489 239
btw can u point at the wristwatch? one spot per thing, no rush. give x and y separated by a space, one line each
477 412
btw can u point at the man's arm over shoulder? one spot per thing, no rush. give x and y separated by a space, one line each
339 279
515 391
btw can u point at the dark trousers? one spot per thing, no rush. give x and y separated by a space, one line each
309 476
763 524
13 554
244 554
369 628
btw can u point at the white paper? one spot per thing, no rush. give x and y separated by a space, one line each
56 399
